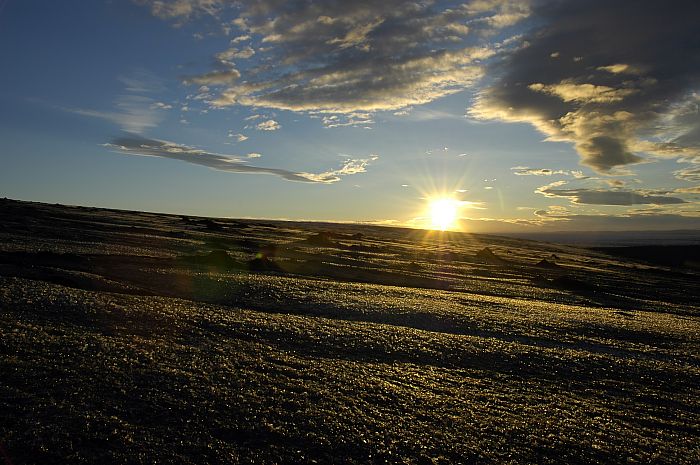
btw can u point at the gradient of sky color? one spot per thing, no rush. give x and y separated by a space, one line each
534 115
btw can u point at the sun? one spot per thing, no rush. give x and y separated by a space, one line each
443 213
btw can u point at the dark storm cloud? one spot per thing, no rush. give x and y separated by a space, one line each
135 145
347 56
618 79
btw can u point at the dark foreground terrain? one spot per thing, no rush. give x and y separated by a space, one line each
130 337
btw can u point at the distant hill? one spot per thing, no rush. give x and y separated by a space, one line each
667 255
613 238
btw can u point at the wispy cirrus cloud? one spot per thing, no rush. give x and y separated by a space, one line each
137 145
135 110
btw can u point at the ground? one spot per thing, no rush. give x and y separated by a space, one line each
130 337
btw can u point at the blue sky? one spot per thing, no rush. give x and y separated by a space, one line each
537 115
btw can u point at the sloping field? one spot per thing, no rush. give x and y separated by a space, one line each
130 337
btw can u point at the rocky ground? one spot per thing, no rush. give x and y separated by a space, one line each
129 337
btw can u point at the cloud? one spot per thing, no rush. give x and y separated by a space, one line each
620 68
227 56
691 173
269 125
181 9
345 57
161 106
624 91
215 78
688 190
569 91
134 111
364 84
238 39
525 171
350 119
141 81
137 145
239 137
606 197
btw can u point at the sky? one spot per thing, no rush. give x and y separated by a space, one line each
547 115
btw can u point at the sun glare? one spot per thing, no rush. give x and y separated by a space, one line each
443 213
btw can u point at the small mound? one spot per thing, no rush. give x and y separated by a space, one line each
572 284
362 248
268 251
211 225
262 263
219 258
413 266
544 263
247 244
487 256
322 239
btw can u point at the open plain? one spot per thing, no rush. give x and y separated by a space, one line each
130 337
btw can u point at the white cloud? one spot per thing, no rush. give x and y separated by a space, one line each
349 119
161 106
350 166
239 137
526 171
269 125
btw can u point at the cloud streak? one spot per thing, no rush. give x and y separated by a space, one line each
526 171
137 145
607 197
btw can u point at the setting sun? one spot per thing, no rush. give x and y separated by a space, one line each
443 213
